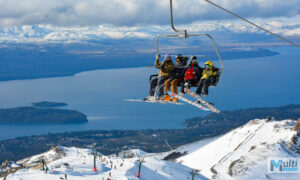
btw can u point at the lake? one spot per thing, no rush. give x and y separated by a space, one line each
257 82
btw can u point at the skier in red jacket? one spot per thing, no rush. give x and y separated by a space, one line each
192 74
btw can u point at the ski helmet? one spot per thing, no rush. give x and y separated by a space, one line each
193 58
179 56
167 57
209 63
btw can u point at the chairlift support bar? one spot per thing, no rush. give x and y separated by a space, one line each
187 36
181 33
189 55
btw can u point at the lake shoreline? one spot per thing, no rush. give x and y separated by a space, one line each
40 116
149 140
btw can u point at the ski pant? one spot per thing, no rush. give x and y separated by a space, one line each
157 84
187 84
203 83
173 84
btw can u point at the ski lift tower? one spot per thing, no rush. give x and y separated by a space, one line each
194 172
140 161
95 154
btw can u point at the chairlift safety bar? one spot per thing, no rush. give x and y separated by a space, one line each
187 36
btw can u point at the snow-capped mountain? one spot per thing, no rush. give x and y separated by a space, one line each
49 33
239 154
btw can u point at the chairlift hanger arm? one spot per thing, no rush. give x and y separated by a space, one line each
184 34
277 36
181 33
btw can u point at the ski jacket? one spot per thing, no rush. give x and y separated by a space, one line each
192 72
207 73
164 67
177 72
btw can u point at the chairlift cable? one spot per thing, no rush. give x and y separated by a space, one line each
279 37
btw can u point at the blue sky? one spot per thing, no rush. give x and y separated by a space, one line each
136 12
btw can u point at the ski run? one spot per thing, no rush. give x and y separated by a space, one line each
239 154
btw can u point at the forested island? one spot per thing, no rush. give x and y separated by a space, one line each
32 115
47 104
113 141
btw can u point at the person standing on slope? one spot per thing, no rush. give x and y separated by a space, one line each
192 74
208 73
176 77
157 84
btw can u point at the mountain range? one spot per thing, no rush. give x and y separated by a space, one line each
51 34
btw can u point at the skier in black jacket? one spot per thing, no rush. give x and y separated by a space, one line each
176 77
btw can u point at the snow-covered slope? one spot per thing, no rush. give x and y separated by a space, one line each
78 164
243 152
240 154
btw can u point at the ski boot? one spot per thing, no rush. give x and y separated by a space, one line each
167 98
198 102
174 100
160 98
198 92
149 98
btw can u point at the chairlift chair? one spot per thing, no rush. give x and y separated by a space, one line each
182 34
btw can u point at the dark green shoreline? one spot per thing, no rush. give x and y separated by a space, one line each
113 141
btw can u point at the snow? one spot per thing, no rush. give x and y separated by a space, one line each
15 165
243 152
239 154
48 33
78 164
293 32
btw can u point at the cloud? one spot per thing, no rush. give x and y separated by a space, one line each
233 30
134 12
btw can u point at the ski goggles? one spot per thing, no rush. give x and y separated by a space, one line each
207 66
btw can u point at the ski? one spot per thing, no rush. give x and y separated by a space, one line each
188 101
154 101
202 101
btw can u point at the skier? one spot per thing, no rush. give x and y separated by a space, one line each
176 77
209 73
157 83
192 74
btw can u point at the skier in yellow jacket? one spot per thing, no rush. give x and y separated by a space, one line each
207 73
